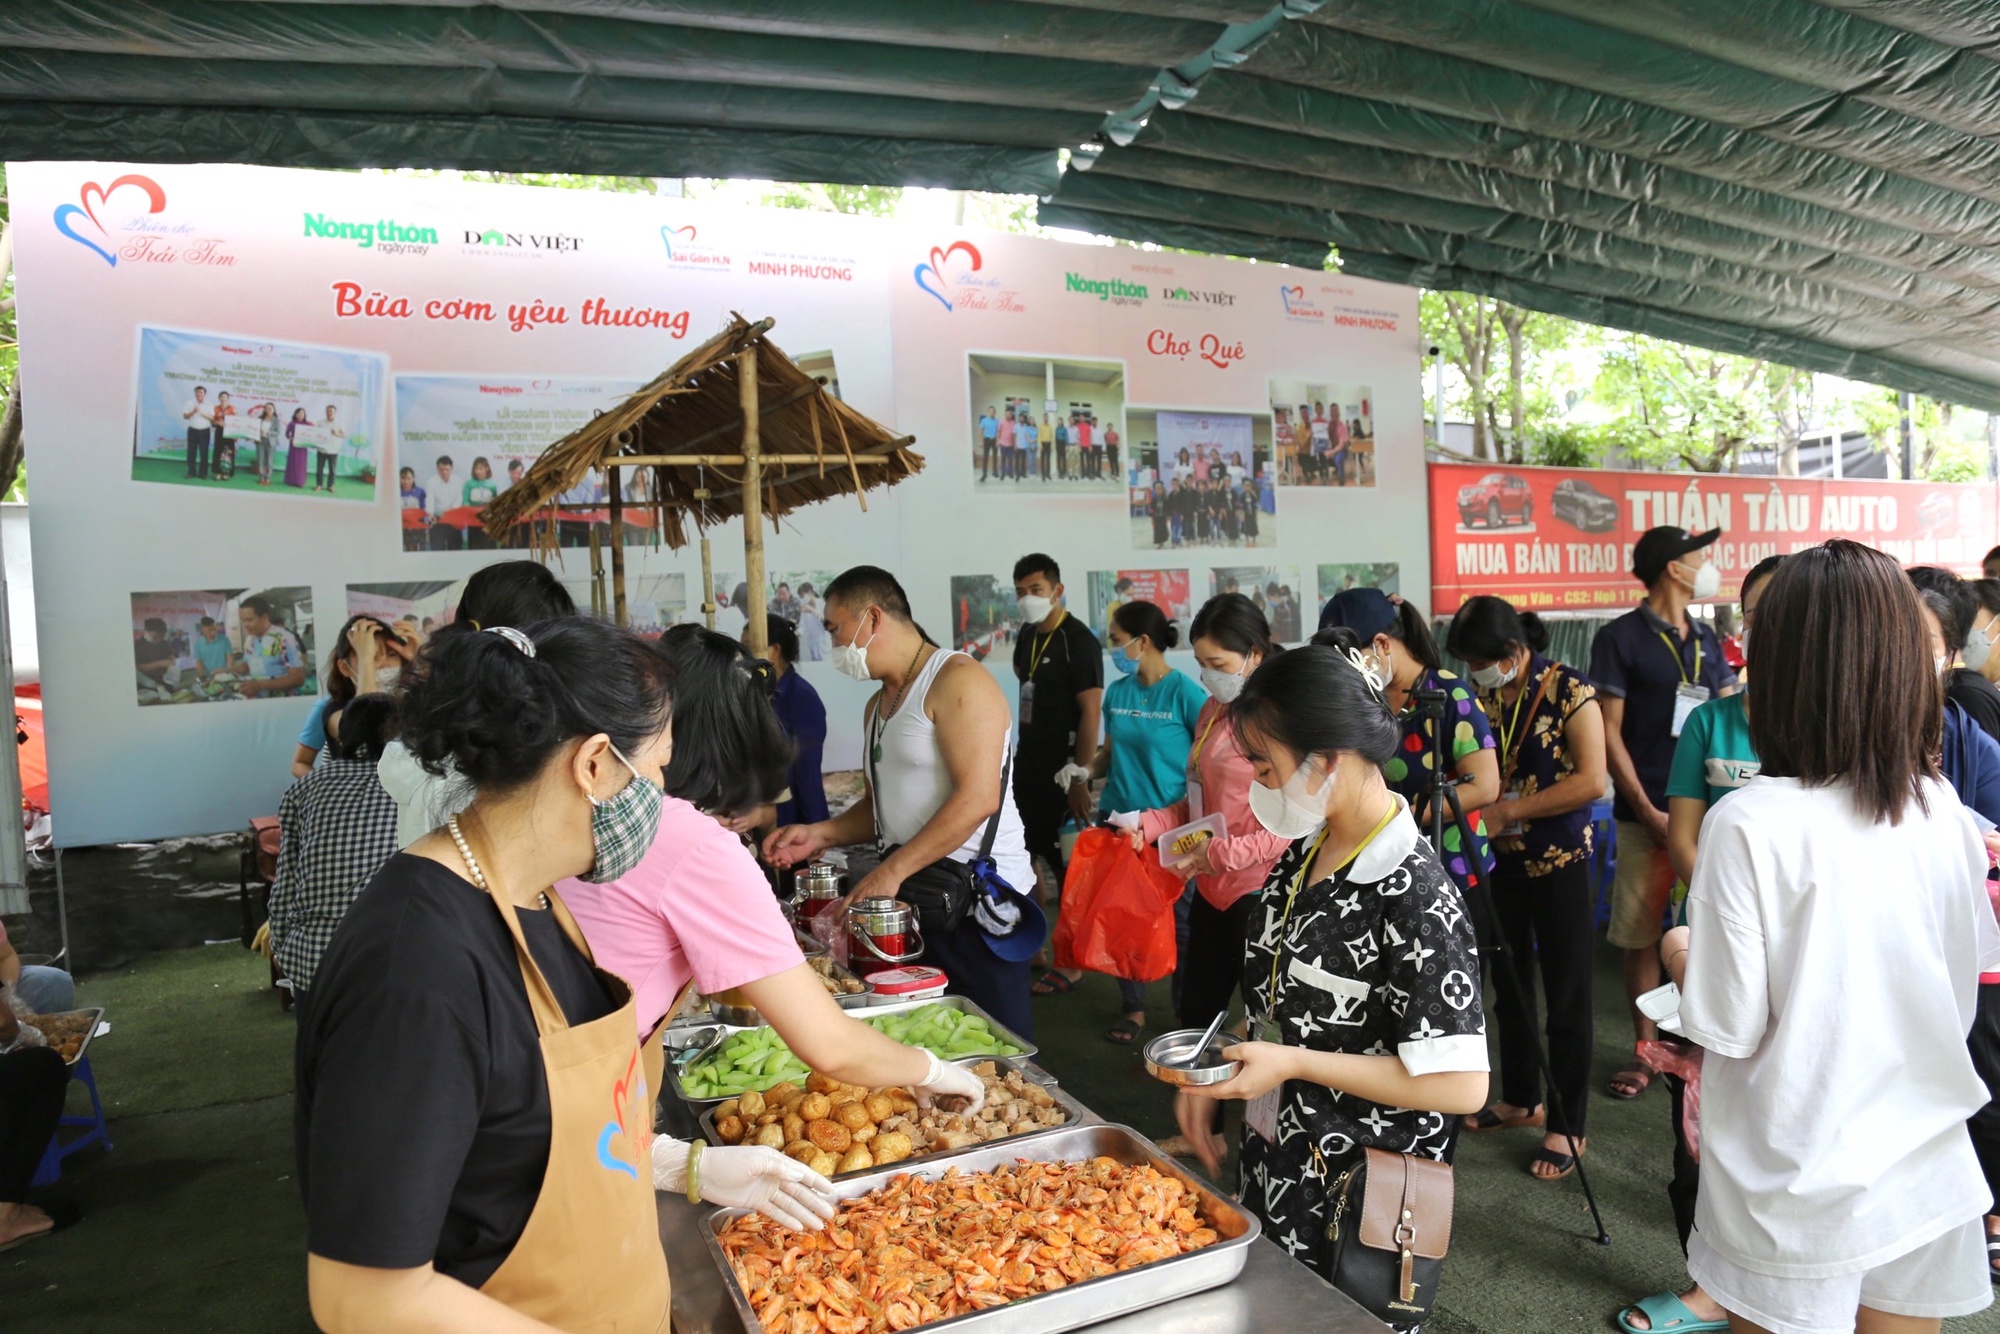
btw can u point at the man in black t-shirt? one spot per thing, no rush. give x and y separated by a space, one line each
1060 666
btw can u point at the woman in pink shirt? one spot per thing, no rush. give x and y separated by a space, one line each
1231 639
698 908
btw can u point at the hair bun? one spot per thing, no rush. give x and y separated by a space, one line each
1172 637
1534 632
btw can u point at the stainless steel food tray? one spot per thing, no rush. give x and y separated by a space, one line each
1005 1034
96 1013
1079 1304
702 1012
869 1012
1074 1113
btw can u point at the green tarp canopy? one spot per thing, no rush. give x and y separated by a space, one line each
1812 181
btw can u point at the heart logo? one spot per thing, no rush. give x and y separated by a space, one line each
667 235
93 194
614 1129
1291 294
932 270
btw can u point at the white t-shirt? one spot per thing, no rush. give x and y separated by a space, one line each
423 799
1832 977
199 416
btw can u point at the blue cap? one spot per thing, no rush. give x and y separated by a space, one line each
1366 611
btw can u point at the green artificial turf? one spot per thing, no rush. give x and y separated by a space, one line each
193 1219
174 472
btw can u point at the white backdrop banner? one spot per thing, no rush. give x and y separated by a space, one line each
298 387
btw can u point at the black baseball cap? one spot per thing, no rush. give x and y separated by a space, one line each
1658 548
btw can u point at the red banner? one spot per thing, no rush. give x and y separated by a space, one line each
1560 539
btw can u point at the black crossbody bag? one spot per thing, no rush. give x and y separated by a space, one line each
942 893
1388 1228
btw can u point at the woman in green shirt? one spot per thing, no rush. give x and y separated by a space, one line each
1150 712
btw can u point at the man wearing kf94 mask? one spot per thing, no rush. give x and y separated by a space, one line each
1652 667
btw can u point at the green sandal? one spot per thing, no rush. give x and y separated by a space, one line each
1666 1311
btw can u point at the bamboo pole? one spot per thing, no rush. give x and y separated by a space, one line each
707 583
753 499
735 460
617 548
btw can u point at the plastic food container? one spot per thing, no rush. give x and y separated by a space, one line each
1178 845
918 982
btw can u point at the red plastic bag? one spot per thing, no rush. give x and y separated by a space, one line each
1117 910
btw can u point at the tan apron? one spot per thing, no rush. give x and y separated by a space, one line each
590 1259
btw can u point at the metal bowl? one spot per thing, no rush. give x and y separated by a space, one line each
1163 1051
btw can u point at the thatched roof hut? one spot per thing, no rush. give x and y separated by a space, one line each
735 427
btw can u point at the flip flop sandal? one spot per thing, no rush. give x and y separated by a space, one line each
1488 1119
1638 1079
1052 983
1993 1256
1124 1033
1565 1165
64 1215
1666 1311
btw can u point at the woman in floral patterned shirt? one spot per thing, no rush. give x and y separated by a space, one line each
1397 641
1551 770
1361 971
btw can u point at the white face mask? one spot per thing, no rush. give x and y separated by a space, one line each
1034 609
851 660
1223 686
1294 810
1979 646
1941 664
1492 676
1707 582
387 677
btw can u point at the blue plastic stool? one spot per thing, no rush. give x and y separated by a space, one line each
93 1127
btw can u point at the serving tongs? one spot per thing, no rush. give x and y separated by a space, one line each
701 1042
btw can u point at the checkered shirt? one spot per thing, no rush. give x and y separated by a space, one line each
337 827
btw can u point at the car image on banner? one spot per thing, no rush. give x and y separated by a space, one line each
1495 499
1583 507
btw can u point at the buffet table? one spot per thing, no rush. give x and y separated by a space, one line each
1273 1292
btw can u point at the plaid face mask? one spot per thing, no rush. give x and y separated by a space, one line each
622 827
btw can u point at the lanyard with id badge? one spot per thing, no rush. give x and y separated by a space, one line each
1194 794
1041 647
1690 694
1261 1112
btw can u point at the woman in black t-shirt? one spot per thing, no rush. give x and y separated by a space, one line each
473 1109
1360 971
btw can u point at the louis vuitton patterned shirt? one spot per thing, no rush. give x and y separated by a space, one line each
1377 960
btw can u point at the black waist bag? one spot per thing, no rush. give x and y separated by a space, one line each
942 893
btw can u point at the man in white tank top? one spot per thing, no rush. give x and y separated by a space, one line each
935 737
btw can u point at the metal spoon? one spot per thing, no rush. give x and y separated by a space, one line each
704 1040
1200 1049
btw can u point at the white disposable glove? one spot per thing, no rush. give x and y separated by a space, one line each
951 1081
1072 773
29 1036
750 1176
1127 819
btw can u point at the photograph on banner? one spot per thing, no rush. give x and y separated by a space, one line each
243 413
1325 433
1201 479
1169 590
1274 589
795 596
1386 576
653 602
819 365
199 646
984 618
1046 425
461 440
415 610
731 594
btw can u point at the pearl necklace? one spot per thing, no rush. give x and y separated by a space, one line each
472 862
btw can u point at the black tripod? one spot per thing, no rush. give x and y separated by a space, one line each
1444 795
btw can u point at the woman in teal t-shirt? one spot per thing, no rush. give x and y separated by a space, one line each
1149 721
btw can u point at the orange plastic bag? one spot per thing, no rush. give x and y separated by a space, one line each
1117 910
